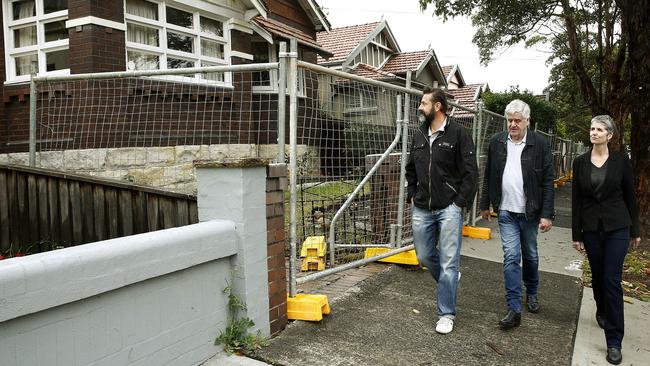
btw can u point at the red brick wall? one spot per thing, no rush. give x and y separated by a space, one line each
276 182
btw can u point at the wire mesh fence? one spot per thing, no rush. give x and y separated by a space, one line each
151 128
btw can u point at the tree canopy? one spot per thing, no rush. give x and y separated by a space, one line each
542 114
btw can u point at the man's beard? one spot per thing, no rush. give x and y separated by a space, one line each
422 117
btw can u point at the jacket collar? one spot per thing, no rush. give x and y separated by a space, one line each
530 137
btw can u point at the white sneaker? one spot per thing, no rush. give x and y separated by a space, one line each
458 276
445 325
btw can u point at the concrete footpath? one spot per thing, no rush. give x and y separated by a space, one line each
385 315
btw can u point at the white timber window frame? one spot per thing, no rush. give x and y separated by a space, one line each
36 39
154 42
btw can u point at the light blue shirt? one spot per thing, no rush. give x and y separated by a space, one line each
513 198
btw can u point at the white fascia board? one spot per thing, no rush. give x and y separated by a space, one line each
239 25
95 21
262 32
244 55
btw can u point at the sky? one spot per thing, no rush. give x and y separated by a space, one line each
451 41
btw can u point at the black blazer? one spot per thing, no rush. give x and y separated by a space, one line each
616 206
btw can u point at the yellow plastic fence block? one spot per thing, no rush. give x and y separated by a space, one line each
477 232
312 264
407 257
307 307
313 246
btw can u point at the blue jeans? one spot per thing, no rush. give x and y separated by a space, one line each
606 252
437 237
519 240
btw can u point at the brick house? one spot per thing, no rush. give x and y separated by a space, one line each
370 50
62 37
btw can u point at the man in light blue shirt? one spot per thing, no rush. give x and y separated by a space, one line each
518 182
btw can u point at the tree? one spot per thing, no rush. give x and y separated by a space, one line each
604 45
542 114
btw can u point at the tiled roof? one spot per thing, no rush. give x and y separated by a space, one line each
446 70
285 31
370 72
406 61
465 96
342 41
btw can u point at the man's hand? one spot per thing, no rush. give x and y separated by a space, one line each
579 246
485 214
545 225
634 242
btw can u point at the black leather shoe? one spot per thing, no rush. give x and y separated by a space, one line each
614 356
600 319
532 303
511 320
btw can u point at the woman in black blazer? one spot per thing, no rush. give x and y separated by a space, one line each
605 222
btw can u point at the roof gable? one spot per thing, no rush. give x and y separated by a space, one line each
348 42
342 41
453 70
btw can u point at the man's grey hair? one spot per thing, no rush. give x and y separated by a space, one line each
518 106
606 121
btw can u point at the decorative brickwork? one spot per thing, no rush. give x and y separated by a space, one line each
276 182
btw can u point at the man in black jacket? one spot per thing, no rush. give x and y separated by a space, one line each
518 182
442 178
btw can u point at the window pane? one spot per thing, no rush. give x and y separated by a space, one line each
177 63
141 34
50 6
55 31
142 8
24 9
261 55
213 76
211 26
57 60
211 48
25 37
26 65
142 61
179 42
179 17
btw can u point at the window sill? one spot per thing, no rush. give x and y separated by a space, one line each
359 111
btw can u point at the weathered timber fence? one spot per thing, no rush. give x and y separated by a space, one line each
43 209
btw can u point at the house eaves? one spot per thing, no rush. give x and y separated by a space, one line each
287 32
257 5
316 14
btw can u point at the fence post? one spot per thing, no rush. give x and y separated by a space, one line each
401 200
282 99
476 136
32 122
293 157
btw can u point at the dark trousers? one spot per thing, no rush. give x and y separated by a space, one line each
606 252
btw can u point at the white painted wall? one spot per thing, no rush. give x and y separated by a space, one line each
148 299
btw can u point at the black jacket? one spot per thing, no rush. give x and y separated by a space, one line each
615 205
537 172
444 172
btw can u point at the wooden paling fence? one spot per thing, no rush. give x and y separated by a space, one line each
43 209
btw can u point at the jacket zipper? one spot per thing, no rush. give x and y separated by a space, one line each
452 188
430 154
